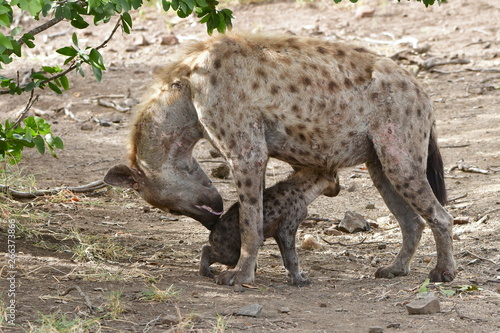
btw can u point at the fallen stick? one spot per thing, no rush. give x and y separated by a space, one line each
31 195
85 297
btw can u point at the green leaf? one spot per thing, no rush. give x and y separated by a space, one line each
30 86
165 4
127 19
79 23
55 88
40 144
74 37
97 73
424 287
69 51
5 42
64 82
16 31
96 59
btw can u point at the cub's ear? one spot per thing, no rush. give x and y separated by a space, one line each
122 176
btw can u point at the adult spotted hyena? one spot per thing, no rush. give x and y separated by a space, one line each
285 207
313 104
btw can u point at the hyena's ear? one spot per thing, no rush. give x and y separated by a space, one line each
122 176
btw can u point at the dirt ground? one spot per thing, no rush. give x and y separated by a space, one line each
136 267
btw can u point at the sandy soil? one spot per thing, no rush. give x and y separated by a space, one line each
112 249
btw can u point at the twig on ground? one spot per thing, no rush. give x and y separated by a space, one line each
456 146
31 195
318 219
462 166
85 297
483 219
478 257
456 198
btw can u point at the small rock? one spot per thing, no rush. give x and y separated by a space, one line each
221 172
168 320
333 232
382 246
353 222
394 325
87 127
146 209
252 310
310 243
370 206
323 305
142 41
376 329
351 188
169 40
427 305
284 309
307 224
364 11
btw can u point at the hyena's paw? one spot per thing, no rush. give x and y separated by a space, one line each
235 276
442 275
391 271
300 281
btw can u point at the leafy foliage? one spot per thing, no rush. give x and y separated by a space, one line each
35 132
447 291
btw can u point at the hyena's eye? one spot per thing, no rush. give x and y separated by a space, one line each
176 85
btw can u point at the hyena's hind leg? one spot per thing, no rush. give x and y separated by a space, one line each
405 187
410 222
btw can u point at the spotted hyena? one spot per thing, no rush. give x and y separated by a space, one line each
285 207
312 103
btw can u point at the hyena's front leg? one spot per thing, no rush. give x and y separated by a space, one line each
248 162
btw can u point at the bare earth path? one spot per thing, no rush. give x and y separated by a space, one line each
109 251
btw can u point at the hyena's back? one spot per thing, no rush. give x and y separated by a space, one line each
319 103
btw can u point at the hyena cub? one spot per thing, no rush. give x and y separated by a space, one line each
285 207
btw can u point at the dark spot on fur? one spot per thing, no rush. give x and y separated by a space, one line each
255 85
332 86
295 108
321 50
360 49
261 73
302 137
292 88
274 89
248 182
253 201
389 130
242 197
223 132
217 64
348 83
406 185
306 81
419 112
340 53
288 130
213 80
238 183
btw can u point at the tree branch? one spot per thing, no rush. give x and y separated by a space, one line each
74 66
30 103
42 27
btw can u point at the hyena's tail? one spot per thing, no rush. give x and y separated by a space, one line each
435 170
